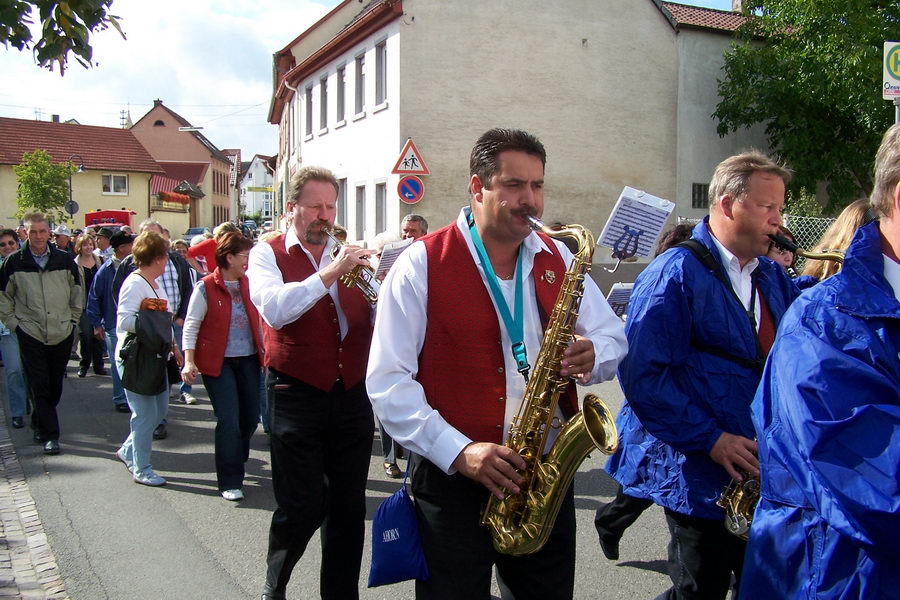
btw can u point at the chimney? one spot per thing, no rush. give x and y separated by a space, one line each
54 118
737 6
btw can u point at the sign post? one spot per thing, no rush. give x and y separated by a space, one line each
891 84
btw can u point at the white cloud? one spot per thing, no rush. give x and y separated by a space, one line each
203 58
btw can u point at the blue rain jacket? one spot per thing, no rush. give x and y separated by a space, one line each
679 399
828 415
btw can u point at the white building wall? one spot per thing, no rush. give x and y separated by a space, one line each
255 201
700 149
363 147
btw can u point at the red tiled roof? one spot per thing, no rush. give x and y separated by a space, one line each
101 148
705 18
190 172
161 183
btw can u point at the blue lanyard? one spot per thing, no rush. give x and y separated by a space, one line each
514 324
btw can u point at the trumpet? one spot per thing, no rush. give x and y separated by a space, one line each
361 277
786 244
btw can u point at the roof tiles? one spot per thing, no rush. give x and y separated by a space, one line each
706 18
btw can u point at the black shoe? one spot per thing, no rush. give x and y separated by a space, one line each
82 372
51 447
609 542
37 437
123 408
18 422
101 371
160 432
392 470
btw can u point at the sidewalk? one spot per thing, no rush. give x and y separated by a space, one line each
28 568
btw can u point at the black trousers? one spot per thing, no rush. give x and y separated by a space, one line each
321 445
702 558
44 367
613 518
90 347
459 551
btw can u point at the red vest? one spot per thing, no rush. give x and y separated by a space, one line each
461 366
213 337
310 349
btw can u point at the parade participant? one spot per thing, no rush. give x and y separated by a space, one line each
91 347
101 310
783 256
150 257
9 348
700 322
613 518
41 301
828 418
62 239
413 226
317 332
104 248
225 345
444 382
836 238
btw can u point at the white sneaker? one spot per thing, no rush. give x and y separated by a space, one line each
233 495
150 478
121 456
188 399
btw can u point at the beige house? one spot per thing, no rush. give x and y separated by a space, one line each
620 92
180 148
117 168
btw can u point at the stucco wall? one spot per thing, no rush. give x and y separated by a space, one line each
86 191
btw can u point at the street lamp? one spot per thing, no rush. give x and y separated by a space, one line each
70 206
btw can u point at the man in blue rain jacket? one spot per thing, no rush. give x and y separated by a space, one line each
698 332
828 417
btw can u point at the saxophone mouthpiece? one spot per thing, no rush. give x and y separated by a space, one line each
534 222
784 243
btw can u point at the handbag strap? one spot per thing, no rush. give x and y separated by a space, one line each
141 275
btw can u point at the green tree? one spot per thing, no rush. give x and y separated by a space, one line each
42 186
810 70
65 27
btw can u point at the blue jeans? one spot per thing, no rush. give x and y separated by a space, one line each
146 413
15 376
234 394
118 390
179 335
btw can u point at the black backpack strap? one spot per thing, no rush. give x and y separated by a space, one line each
706 258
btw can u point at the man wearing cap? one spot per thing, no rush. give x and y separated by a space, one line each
62 237
41 301
101 308
104 249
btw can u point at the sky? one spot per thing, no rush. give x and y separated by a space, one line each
208 60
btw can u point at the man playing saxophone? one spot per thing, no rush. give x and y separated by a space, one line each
448 392
700 323
828 417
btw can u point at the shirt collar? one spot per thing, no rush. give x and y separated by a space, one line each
532 244
731 261
892 274
291 239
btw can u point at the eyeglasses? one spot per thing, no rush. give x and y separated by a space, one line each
9 243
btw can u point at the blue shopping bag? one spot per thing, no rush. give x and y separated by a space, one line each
396 546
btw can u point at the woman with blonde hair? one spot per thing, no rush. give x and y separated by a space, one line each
88 265
836 237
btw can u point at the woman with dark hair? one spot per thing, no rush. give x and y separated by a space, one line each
225 345
783 256
151 253
88 265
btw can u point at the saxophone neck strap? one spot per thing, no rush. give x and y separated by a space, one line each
514 323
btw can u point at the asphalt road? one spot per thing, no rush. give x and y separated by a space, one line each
114 539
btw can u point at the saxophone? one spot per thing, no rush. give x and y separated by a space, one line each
739 498
521 523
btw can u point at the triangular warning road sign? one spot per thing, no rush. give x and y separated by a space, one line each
410 161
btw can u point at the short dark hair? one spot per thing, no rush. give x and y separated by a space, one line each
9 232
677 234
230 242
484 162
306 174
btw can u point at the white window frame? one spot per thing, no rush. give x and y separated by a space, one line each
380 206
323 104
112 184
359 89
380 73
360 207
341 108
341 214
307 133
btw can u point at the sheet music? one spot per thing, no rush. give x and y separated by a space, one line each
638 216
618 298
389 254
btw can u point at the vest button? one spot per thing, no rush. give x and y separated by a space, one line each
500 370
334 320
340 366
499 426
331 304
340 349
500 399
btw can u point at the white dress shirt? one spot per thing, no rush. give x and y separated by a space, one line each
892 274
281 303
400 325
741 279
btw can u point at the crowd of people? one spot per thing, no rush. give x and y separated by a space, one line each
728 372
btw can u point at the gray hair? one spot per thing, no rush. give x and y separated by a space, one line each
150 223
416 219
887 173
34 217
732 175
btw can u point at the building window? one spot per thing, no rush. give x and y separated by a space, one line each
380 207
341 88
700 195
380 73
323 103
360 212
115 184
342 202
159 123
360 83
309 108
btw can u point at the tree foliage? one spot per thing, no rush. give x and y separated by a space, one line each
42 186
65 27
810 70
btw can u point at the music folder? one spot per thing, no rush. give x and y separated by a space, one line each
389 254
618 298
